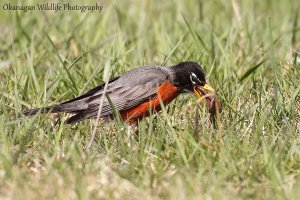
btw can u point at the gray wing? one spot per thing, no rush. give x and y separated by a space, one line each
126 91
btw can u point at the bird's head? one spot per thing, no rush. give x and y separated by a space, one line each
190 77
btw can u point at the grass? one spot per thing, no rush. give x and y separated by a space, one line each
250 52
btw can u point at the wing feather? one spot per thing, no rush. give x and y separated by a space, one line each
126 91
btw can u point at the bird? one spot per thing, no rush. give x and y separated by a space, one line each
135 94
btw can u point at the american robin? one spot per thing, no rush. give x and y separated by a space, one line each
135 94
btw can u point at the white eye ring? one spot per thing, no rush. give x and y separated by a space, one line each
195 77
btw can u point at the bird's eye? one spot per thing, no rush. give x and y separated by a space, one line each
195 80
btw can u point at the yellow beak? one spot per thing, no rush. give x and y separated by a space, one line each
205 87
208 88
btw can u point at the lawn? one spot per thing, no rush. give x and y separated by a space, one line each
250 51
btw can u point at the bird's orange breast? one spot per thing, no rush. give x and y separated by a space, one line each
165 94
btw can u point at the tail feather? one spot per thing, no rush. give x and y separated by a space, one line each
55 109
79 115
35 111
73 107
